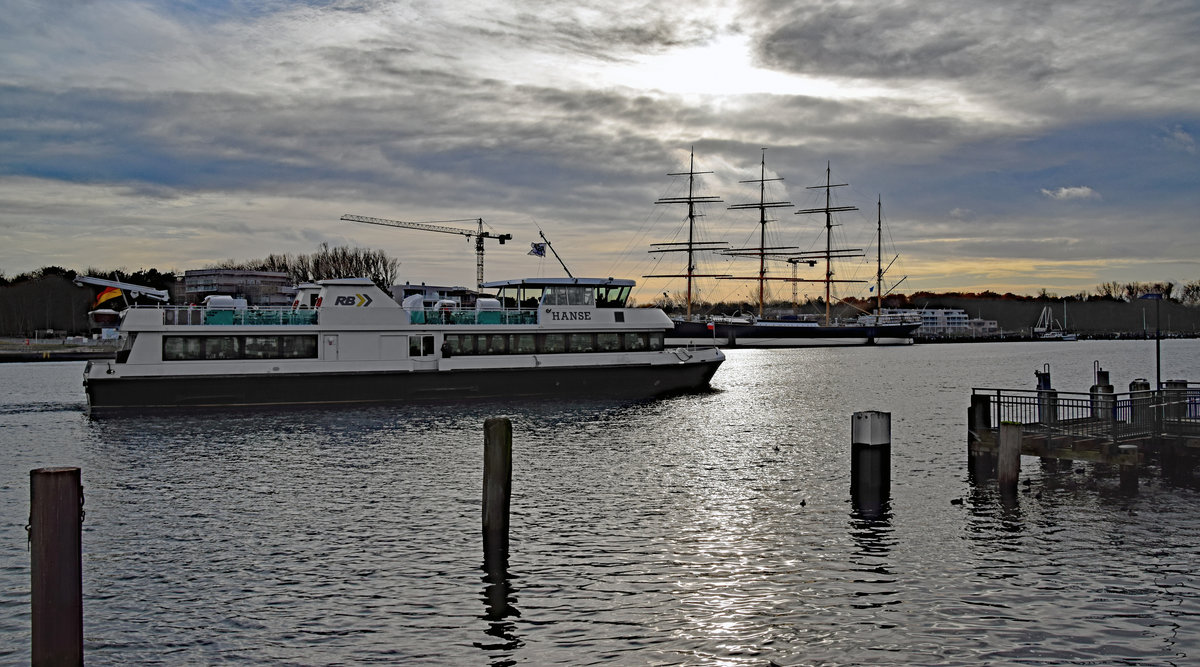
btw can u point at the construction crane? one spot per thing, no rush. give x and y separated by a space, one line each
479 235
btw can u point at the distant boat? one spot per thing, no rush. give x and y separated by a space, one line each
760 331
1047 328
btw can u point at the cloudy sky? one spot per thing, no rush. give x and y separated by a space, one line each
1020 145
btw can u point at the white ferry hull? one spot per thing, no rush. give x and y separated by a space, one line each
358 346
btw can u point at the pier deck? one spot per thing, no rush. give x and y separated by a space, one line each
1162 424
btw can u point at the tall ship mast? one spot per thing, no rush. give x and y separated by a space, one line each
830 253
785 330
691 246
762 251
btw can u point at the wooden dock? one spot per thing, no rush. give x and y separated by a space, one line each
1158 426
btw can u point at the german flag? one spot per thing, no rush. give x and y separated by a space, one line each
108 293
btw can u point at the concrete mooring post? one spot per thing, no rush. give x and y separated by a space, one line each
56 568
1047 397
1008 460
870 462
1103 400
497 492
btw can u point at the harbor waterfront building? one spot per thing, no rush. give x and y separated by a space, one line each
258 288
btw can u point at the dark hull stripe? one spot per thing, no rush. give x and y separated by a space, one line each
202 391
767 330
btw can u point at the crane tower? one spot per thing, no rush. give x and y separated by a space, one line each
479 235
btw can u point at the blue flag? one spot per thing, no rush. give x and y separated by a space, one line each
537 249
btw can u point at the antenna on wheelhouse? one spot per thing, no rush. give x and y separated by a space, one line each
691 246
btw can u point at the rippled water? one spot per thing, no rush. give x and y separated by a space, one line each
713 528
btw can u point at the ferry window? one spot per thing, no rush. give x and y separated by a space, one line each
420 346
221 347
297 347
611 296
555 295
182 348
461 343
581 296
262 347
554 343
635 341
522 344
531 297
608 342
656 341
581 342
497 344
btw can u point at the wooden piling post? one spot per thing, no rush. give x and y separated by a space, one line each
1008 463
1129 468
55 547
497 491
870 462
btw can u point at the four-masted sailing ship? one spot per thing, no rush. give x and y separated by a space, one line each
758 330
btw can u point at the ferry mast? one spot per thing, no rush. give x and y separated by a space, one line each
691 246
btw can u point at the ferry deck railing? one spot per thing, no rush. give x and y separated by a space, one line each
1105 416
199 315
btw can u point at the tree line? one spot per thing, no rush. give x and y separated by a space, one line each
325 263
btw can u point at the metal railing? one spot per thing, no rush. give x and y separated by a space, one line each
1173 410
198 315
193 315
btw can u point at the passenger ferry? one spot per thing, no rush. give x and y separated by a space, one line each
346 341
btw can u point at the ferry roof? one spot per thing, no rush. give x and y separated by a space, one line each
546 282
346 281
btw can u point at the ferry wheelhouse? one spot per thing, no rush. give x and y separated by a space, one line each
346 342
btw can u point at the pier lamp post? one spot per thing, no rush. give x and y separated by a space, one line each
1157 337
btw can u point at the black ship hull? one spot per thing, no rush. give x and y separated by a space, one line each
781 333
157 393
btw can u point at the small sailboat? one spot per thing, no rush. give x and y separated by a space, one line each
1047 328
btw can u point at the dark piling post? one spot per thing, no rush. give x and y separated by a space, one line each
870 462
497 490
1008 464
982 463
55 546
1129 468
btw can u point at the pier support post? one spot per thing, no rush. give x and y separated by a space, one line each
55 547
497 491
870 462
1008 463
1129 468
981 463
